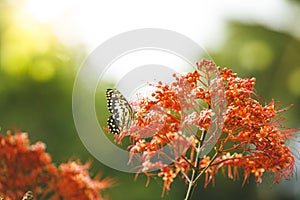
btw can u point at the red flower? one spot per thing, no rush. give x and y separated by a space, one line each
80 185
25 167
209 107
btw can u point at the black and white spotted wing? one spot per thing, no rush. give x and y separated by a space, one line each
28 196
121 112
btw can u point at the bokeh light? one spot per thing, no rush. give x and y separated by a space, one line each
294 82
255 55
42 70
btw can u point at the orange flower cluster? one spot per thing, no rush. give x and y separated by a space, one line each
25 167
175 125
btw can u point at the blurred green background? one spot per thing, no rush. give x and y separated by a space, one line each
37 71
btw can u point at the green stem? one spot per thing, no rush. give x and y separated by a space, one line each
192 184
209 164
194 179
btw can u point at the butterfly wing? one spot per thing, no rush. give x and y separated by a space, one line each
28 196
112 125
122 113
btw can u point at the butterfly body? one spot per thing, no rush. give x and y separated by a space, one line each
121 112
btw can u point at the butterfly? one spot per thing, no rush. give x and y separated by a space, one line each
121 112
28 196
